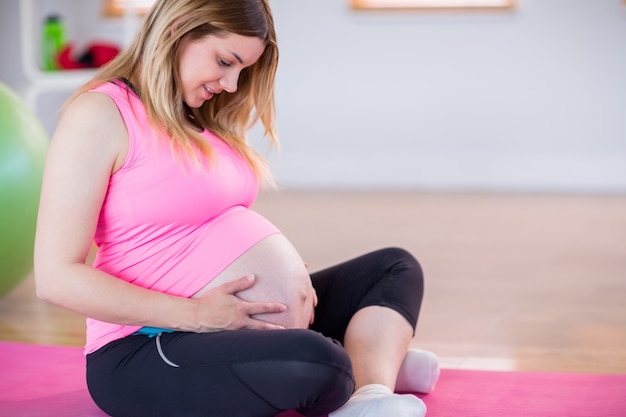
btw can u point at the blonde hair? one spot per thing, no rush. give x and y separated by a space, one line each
151 61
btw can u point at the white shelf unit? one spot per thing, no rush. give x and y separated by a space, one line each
39 81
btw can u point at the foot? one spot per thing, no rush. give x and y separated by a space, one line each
377 400
419 372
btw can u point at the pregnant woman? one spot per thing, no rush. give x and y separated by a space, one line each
197 305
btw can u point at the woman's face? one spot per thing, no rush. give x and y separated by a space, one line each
212 64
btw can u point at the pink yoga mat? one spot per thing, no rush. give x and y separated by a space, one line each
49 381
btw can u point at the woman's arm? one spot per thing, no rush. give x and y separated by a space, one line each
89 145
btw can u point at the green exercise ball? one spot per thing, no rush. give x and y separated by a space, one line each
23 147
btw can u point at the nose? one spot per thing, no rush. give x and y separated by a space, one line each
229 81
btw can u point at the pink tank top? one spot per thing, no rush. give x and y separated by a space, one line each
165 224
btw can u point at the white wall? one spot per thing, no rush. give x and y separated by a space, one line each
528 100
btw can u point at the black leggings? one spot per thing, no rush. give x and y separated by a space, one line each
256 373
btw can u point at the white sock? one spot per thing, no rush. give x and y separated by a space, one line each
419 372
376 400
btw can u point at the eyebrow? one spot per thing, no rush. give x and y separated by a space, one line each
237 57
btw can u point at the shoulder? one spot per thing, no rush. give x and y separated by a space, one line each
92 108
92 122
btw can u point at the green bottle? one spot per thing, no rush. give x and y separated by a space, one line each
52 40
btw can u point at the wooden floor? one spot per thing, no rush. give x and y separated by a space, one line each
528 282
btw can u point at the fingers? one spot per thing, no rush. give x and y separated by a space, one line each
240 284
265 308
228 311
254 308
262 325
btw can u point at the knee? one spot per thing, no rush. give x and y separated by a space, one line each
314 347
321 373
403 264
401 286
335 364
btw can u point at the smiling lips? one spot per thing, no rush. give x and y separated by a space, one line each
210 93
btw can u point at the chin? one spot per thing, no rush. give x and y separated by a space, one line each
195 103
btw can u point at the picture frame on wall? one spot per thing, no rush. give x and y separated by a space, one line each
432 4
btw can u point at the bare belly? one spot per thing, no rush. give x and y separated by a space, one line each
281 276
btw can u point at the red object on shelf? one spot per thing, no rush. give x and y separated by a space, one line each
95 56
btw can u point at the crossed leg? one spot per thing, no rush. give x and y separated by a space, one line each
377 341
371 305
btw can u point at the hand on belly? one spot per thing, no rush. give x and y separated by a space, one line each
299 302
280 276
